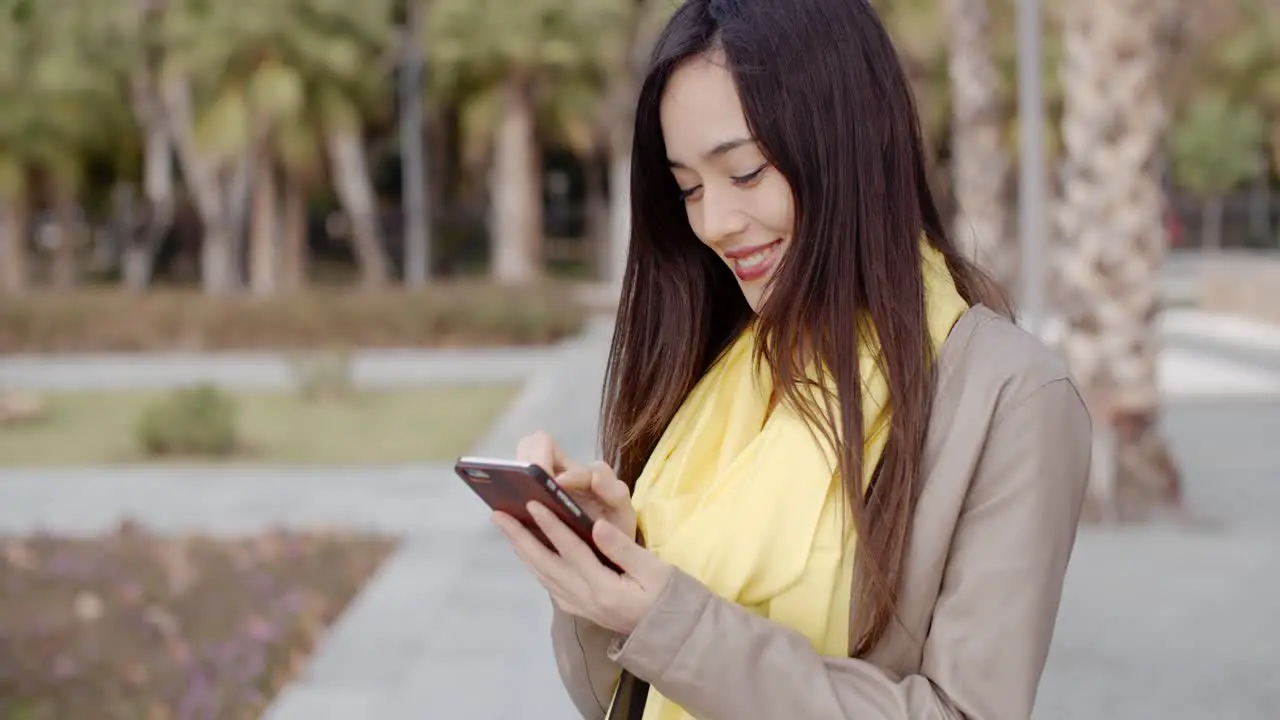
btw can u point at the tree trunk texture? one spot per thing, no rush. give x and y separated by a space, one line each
218 272
293 258
65 273
14 266
1112 244
355 191
416 236
980 167
516 208
263 242
142 243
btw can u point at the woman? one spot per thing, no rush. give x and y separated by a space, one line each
841 482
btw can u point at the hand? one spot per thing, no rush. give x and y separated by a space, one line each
542 451
601 495
595 487
578 582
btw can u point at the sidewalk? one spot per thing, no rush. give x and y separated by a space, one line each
453 626
262 370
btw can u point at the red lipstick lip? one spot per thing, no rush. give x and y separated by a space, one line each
743 252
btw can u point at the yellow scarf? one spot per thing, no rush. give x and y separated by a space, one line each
748 501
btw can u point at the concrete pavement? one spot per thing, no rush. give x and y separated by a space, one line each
262 370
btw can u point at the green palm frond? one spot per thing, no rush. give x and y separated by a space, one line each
478 118
224 126
298 145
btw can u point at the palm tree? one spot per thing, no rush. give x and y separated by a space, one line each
120 38
257 78
1112 241
47 78
516 57
979 165
15 124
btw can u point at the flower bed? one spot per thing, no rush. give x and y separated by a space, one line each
143 627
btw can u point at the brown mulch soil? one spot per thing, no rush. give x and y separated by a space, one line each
134 626
448 314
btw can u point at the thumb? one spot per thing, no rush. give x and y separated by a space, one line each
626 553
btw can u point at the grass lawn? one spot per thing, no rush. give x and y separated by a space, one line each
401 425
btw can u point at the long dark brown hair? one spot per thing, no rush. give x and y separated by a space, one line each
827 100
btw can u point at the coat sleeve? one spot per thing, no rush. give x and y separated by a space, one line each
992 623
587 672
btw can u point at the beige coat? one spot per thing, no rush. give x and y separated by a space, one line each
1006 463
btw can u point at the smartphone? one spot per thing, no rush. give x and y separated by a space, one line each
508 485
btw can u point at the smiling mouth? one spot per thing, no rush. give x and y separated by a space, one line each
754 263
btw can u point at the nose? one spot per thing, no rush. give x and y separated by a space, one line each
723 217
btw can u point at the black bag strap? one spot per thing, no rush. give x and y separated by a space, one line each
628 703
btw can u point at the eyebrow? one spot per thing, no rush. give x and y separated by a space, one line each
716 151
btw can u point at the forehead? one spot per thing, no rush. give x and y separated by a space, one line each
700 109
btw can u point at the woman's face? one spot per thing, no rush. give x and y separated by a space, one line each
738 205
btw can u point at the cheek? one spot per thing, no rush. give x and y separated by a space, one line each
777 207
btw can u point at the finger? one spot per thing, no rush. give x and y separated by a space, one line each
579 480
538 558
538 449
634 560
606 486
571 547
561 461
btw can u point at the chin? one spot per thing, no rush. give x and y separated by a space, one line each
755 296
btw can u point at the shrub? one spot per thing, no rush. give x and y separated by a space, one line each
195 421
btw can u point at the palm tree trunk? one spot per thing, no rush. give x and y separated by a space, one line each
416 241
293 260
1113 244
14 268
979 165
263 253
65 272
142 244
218 272
355 191
516 220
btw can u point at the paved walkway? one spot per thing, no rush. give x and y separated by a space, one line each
262 370
1156 622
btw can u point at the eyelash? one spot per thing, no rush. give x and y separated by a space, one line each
737 180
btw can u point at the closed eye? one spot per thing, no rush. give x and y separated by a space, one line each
749 177
688 193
